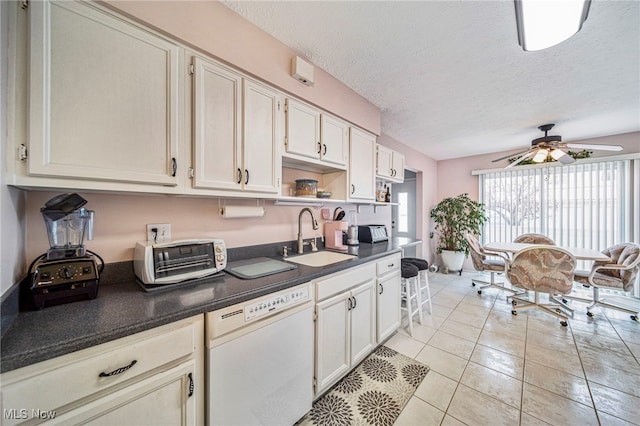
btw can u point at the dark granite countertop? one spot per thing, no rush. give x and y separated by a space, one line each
122 308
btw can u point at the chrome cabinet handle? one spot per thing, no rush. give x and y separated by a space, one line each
239 175
319 147
350 305
354 302
247 179
381 289
353 188
174 167
325 149
118 370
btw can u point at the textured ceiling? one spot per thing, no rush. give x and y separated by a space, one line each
452 81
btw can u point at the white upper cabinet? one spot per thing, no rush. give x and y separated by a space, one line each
217 129
236 131
335 140
303 129
389 164
362 157
103 97
315 135
262 162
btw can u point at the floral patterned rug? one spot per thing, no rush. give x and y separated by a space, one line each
374 393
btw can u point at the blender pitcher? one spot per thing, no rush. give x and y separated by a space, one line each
67 225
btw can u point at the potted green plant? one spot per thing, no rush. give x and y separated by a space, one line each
453 218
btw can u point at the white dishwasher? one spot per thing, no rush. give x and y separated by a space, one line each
260 360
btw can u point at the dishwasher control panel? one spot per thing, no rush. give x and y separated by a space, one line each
276 303
221 323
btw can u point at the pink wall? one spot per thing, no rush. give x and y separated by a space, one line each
218 31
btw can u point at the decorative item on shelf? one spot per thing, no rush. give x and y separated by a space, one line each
323 194
380 191
549 159
387 195
454 217
306 188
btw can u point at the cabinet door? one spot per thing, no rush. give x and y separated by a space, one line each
362 184
217 132
384 161
363 321
303 129
103 97
332 340
164 398
397 168
335 140
388 306
262 165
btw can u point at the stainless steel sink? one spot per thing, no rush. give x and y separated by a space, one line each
320 258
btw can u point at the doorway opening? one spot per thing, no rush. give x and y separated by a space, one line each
403 215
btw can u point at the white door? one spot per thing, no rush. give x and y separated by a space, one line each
362 158
388 307
335 140
103 97
332 340
363 321
217 130
403 215
262 164
303 129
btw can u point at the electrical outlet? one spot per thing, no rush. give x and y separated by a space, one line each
158 232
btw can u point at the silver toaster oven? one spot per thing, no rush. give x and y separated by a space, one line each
171 262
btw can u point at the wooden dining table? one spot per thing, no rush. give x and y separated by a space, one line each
578 252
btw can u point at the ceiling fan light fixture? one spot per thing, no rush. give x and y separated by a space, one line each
540 156
545 23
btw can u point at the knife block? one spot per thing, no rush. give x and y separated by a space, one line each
333 235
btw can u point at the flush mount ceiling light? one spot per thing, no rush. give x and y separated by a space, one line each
545 23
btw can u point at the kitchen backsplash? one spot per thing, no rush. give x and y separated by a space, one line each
120 221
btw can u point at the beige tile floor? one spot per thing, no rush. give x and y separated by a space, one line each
489 367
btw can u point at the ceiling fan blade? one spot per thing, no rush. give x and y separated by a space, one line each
565 159
521 159
510 155
594 146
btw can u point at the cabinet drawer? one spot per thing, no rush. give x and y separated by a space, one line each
341 281
63 380
388 264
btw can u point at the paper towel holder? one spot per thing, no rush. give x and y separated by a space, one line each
240 211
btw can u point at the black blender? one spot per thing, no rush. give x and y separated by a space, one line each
67 271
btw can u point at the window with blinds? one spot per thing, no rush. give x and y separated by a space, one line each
581 205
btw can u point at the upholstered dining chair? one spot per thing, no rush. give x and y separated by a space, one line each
534 239
542 269
619 274
483 264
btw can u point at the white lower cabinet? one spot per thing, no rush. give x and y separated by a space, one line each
388 313
345 323
150 378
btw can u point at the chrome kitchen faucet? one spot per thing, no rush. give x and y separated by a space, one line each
314 223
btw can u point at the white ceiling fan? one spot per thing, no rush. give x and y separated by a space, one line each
552 145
